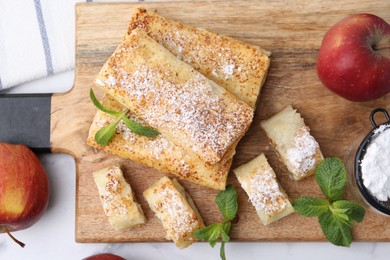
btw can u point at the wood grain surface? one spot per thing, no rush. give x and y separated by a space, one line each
293 32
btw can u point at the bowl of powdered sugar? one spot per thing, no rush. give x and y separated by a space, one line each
372 165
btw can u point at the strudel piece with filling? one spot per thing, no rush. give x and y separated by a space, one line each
171 96
117 199
175 209
266 194
239 67
297 148
157 152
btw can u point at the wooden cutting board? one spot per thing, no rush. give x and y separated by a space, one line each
293 32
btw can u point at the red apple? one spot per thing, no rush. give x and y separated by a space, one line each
354 58
24 188
104 257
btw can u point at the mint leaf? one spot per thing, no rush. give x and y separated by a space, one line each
335 230
105 134
311 207
209 233
335 215
353 210
99 106
331 176
138 128
340 215
228 205
226 231
227 202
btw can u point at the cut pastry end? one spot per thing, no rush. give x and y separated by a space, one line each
175 209
117 199
266 194
297 148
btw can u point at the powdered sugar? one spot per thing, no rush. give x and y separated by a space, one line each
380 129
180 220
188 106
228 69
302 154
111 81
375 164
111 199
265 193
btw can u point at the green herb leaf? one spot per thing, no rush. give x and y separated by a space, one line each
336 216
335 230
340 215
311 207
331 177
226 231
209 233
105 134
99 106
228 205
227 202
353 210
138 128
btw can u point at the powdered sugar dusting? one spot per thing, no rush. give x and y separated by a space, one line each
302 155
265 193
180 221
156 147
112 202
228 69
188 106
111 81
99 82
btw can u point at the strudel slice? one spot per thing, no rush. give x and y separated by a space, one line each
186 107
157 152
117 199
175 209
297 148
259 181
239 67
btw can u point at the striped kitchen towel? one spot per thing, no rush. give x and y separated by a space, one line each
37 39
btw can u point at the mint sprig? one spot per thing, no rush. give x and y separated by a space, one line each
104 135
228 205
331 177
336 216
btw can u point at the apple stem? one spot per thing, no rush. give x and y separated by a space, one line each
381 46
21 244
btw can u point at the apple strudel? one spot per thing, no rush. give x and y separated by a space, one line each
186 107
297 148
117 199
259 181
175 209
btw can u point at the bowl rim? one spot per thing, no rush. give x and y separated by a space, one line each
361 151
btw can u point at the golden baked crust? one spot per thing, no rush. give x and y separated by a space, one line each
186 107
157 152
259 181
238 67
175 209
117 198
297 148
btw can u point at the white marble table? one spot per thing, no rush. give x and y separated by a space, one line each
53 236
